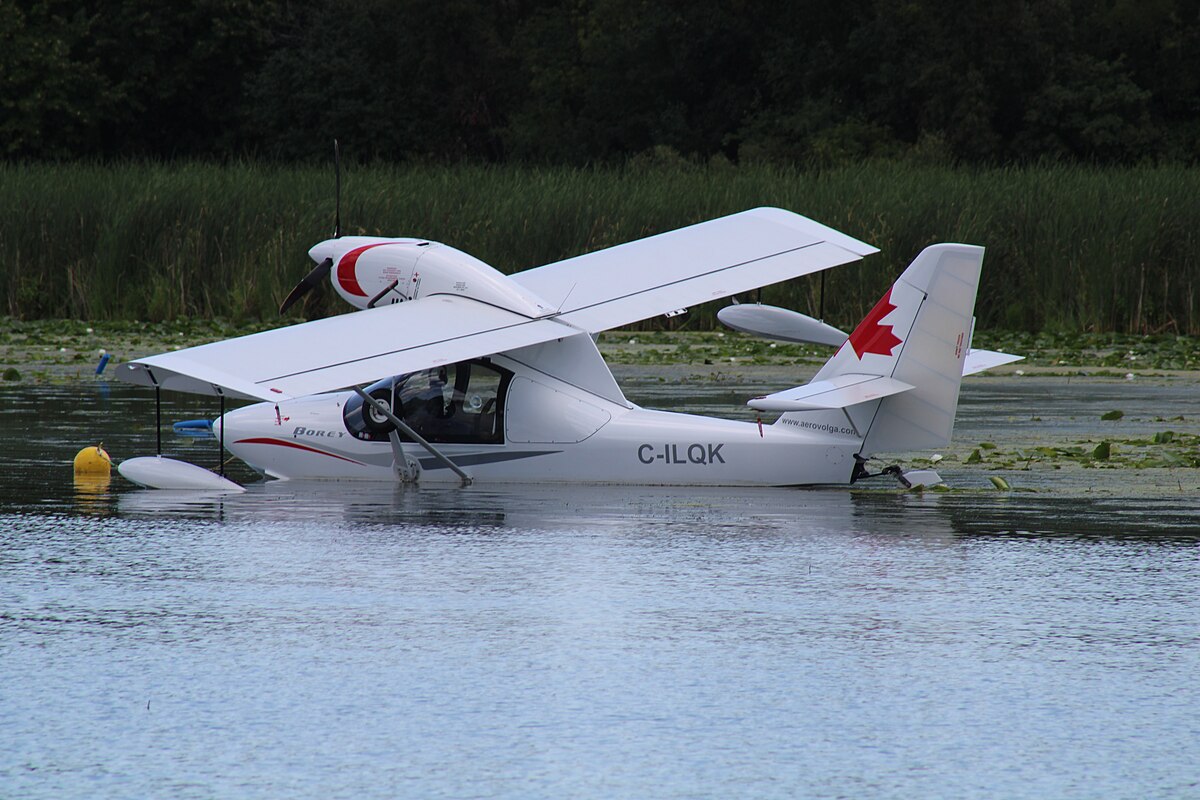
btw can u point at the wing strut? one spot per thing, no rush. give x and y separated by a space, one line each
416 437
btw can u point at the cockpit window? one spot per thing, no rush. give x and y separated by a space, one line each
460 402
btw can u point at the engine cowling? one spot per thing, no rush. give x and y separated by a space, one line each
364 267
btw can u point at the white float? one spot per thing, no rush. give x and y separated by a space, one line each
157 472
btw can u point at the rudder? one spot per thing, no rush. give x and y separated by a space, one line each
906 358
932 355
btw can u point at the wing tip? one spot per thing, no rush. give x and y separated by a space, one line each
790 218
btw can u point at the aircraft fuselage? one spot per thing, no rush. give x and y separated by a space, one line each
504 422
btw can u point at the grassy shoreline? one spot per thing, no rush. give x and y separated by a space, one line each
60 351
1069 248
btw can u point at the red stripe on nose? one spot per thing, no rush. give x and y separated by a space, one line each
346 276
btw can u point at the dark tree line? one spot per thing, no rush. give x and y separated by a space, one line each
598 81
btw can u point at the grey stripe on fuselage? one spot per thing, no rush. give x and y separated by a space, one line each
475 459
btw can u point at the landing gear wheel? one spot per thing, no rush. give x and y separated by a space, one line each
377 424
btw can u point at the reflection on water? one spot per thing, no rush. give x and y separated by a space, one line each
92 494
92 485
930 514
373 640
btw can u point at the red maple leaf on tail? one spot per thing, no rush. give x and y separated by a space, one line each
871 335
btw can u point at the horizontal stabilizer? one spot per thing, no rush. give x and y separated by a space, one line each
980 360
837 392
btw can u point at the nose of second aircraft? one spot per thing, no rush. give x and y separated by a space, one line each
330 248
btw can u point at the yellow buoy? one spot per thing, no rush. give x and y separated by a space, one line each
93 461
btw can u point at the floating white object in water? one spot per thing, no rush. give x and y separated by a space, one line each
919 477
157 472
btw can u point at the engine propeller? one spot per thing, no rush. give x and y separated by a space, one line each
321 271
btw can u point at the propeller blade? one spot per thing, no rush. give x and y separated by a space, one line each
318 274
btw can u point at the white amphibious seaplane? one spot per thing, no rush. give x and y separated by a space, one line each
458 372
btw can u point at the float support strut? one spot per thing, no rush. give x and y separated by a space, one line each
221 444
158 418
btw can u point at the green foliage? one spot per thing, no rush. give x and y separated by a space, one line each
129 77
398 79
601 81
43 94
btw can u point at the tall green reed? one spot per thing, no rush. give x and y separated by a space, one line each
1071 248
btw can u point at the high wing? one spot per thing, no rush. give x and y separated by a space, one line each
590 293
688 266
345 350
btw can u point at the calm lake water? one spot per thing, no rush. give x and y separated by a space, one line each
371 641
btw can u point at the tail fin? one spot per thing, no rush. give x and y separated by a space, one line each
896 378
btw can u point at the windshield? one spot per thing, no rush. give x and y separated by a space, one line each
460 402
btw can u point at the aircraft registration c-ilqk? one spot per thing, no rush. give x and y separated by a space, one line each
453 371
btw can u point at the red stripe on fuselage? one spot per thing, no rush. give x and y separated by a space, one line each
297 446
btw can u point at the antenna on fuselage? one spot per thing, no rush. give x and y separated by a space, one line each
337 178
